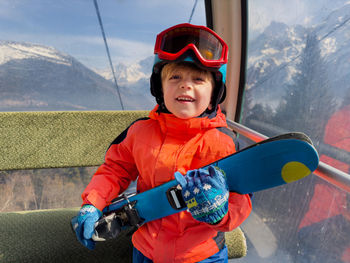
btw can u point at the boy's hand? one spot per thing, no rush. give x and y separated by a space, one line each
84 225
205 193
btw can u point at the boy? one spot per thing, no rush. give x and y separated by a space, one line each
184 132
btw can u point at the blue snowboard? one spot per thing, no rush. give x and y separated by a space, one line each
272 162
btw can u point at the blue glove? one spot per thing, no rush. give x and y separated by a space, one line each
206 193
84 225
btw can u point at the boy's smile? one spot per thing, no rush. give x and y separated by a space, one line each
187 92
185 99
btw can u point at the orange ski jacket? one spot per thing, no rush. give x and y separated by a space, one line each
152 150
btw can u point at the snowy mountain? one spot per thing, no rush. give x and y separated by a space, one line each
272 57
35 77
127 74
274 54
11 50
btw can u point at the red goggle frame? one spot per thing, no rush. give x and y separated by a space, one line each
208 47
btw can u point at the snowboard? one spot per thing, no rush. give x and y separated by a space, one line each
276 161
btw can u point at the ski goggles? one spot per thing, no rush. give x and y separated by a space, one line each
208 47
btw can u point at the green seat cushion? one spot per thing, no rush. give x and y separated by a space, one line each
46 236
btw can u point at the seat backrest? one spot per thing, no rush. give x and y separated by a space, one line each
32 140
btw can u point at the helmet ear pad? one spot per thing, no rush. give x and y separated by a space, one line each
156 88
219 91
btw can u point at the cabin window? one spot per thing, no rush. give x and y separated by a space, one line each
53 57
297 79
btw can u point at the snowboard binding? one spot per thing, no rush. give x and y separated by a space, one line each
112 223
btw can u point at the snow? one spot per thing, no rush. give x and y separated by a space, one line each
17 50
329 46
269 51
125 73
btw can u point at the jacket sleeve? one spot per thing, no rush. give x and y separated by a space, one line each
239 209
114 175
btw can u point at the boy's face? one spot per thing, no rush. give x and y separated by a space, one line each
187 92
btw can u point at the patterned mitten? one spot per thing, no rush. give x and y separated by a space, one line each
205 193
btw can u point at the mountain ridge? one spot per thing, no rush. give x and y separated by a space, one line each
36 77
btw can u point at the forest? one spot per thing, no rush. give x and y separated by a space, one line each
43 188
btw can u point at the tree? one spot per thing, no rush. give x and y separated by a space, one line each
260 118
308 102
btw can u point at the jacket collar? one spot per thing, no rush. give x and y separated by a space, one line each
171 124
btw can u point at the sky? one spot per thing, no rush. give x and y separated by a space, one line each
71 26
